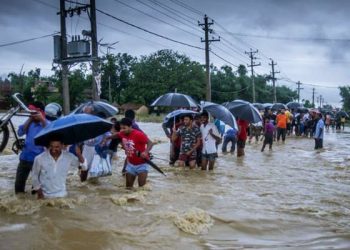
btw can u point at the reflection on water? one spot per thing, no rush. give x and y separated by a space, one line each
293 197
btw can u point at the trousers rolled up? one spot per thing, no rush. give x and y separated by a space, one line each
318 143
281 132
227 140
23 170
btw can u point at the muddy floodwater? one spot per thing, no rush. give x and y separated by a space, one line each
290 198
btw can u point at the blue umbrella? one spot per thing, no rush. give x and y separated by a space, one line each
175 100
244 111
73 129
220 112
170 118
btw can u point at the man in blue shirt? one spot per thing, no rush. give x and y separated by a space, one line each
319 132
34 124
230 136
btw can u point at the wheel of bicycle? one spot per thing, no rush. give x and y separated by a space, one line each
4 136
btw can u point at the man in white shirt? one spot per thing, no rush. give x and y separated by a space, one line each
210 139
50 170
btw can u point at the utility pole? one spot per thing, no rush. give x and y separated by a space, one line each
65 83
273 72
207 30
321 101
94 50
299 83
252 65
313 97
77 50
109 89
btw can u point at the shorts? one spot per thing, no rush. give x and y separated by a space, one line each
184 157
136 169
240 143
210 157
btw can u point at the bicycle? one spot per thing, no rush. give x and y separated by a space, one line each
5 120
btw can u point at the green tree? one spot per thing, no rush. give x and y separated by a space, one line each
161 72
116 70
345 94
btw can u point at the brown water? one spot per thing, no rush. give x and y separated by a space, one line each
290 198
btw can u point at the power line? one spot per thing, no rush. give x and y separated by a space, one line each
227 53
182 13
312 84
174 11
121 31
47 4
186 6
148 31
165 14
27 40
156 18
293 38
223 59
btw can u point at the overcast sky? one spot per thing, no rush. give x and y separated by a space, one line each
308 39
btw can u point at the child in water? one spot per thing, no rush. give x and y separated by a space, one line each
268 133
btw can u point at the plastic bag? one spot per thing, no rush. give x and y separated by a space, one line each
100 166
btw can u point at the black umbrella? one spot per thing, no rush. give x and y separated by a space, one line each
259 106
175 100
278 106
303 110
267 105
151 163
170 118
98 107
220 112
294 105
73 129
342 114
244 110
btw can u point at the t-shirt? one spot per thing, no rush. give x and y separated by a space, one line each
269 128
133 143
243 125
209 142
319 129
231 133
281 121
189 136
289 116
51 175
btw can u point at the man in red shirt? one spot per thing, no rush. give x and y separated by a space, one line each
137 147
242 136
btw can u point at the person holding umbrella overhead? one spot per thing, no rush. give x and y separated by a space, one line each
51 167
33 125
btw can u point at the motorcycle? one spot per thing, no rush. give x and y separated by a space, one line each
5 121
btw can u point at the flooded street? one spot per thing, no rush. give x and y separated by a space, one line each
290 198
